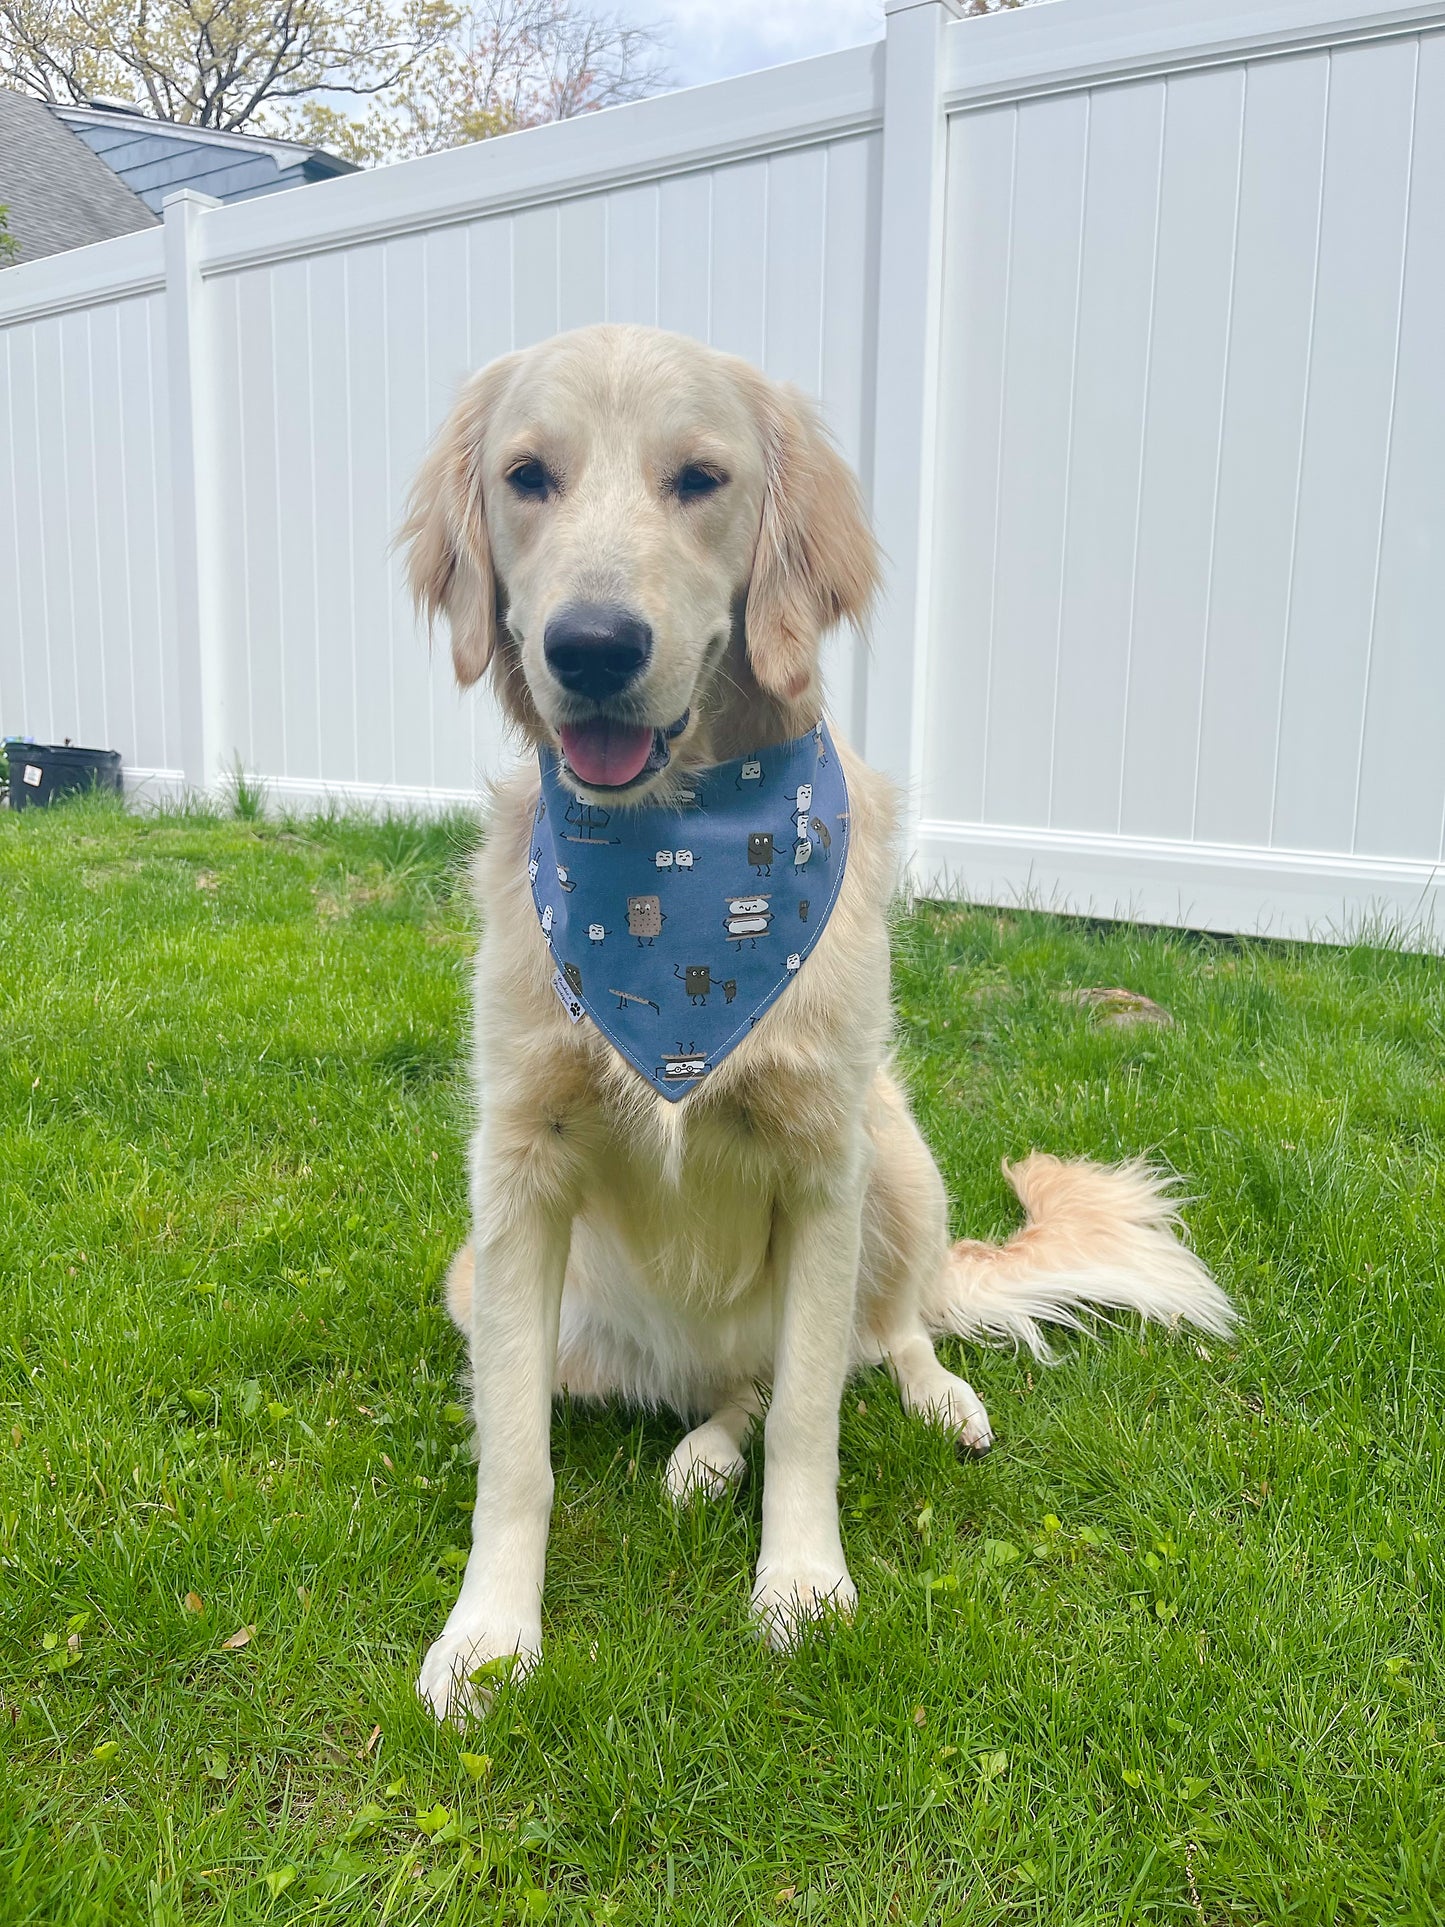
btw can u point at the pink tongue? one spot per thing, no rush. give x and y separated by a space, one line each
605 753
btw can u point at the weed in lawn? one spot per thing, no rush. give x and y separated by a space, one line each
248 795
1170 1653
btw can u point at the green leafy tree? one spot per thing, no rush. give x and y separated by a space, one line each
9 246
215 63
371 79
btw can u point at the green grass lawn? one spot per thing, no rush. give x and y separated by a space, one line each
1173 1652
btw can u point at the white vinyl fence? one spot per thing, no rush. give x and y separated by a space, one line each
1129 312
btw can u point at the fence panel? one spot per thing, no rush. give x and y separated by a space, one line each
1191 432
85 612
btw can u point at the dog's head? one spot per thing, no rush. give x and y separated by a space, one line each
646 540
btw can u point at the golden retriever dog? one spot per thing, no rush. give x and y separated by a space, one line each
634 534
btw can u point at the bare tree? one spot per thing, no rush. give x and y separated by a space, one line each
504 64
598 62
215 63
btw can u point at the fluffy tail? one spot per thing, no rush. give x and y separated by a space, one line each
1095 1235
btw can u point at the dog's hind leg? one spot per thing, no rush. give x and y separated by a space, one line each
935 1394
709 1462
905 1247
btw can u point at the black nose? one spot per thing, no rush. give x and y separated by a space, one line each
596 649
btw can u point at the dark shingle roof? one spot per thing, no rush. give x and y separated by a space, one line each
58 193
155 158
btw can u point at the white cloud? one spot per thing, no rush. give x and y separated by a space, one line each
710 39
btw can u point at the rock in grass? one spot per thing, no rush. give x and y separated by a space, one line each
1114 1008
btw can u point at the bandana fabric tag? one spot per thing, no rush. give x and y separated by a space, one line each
674 929
568 997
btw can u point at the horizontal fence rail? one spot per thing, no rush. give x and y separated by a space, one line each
1128 313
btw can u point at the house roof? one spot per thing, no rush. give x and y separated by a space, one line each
154 158
60 195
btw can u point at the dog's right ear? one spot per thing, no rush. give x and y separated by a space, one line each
449 554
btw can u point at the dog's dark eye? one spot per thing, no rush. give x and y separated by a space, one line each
531 480
690 484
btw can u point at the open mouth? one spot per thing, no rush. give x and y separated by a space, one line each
606 754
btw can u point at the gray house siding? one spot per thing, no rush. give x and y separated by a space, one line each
154 159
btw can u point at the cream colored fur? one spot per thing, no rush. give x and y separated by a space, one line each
746 1249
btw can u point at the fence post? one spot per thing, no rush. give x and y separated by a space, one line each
909 299
194 455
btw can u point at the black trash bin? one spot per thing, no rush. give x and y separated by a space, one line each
40 772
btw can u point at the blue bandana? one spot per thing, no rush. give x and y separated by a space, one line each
674 928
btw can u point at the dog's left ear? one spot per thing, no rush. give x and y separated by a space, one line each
816 562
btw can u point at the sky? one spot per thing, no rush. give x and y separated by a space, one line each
711 39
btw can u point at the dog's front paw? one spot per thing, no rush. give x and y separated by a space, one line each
464 1667
707 1464
787 1598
